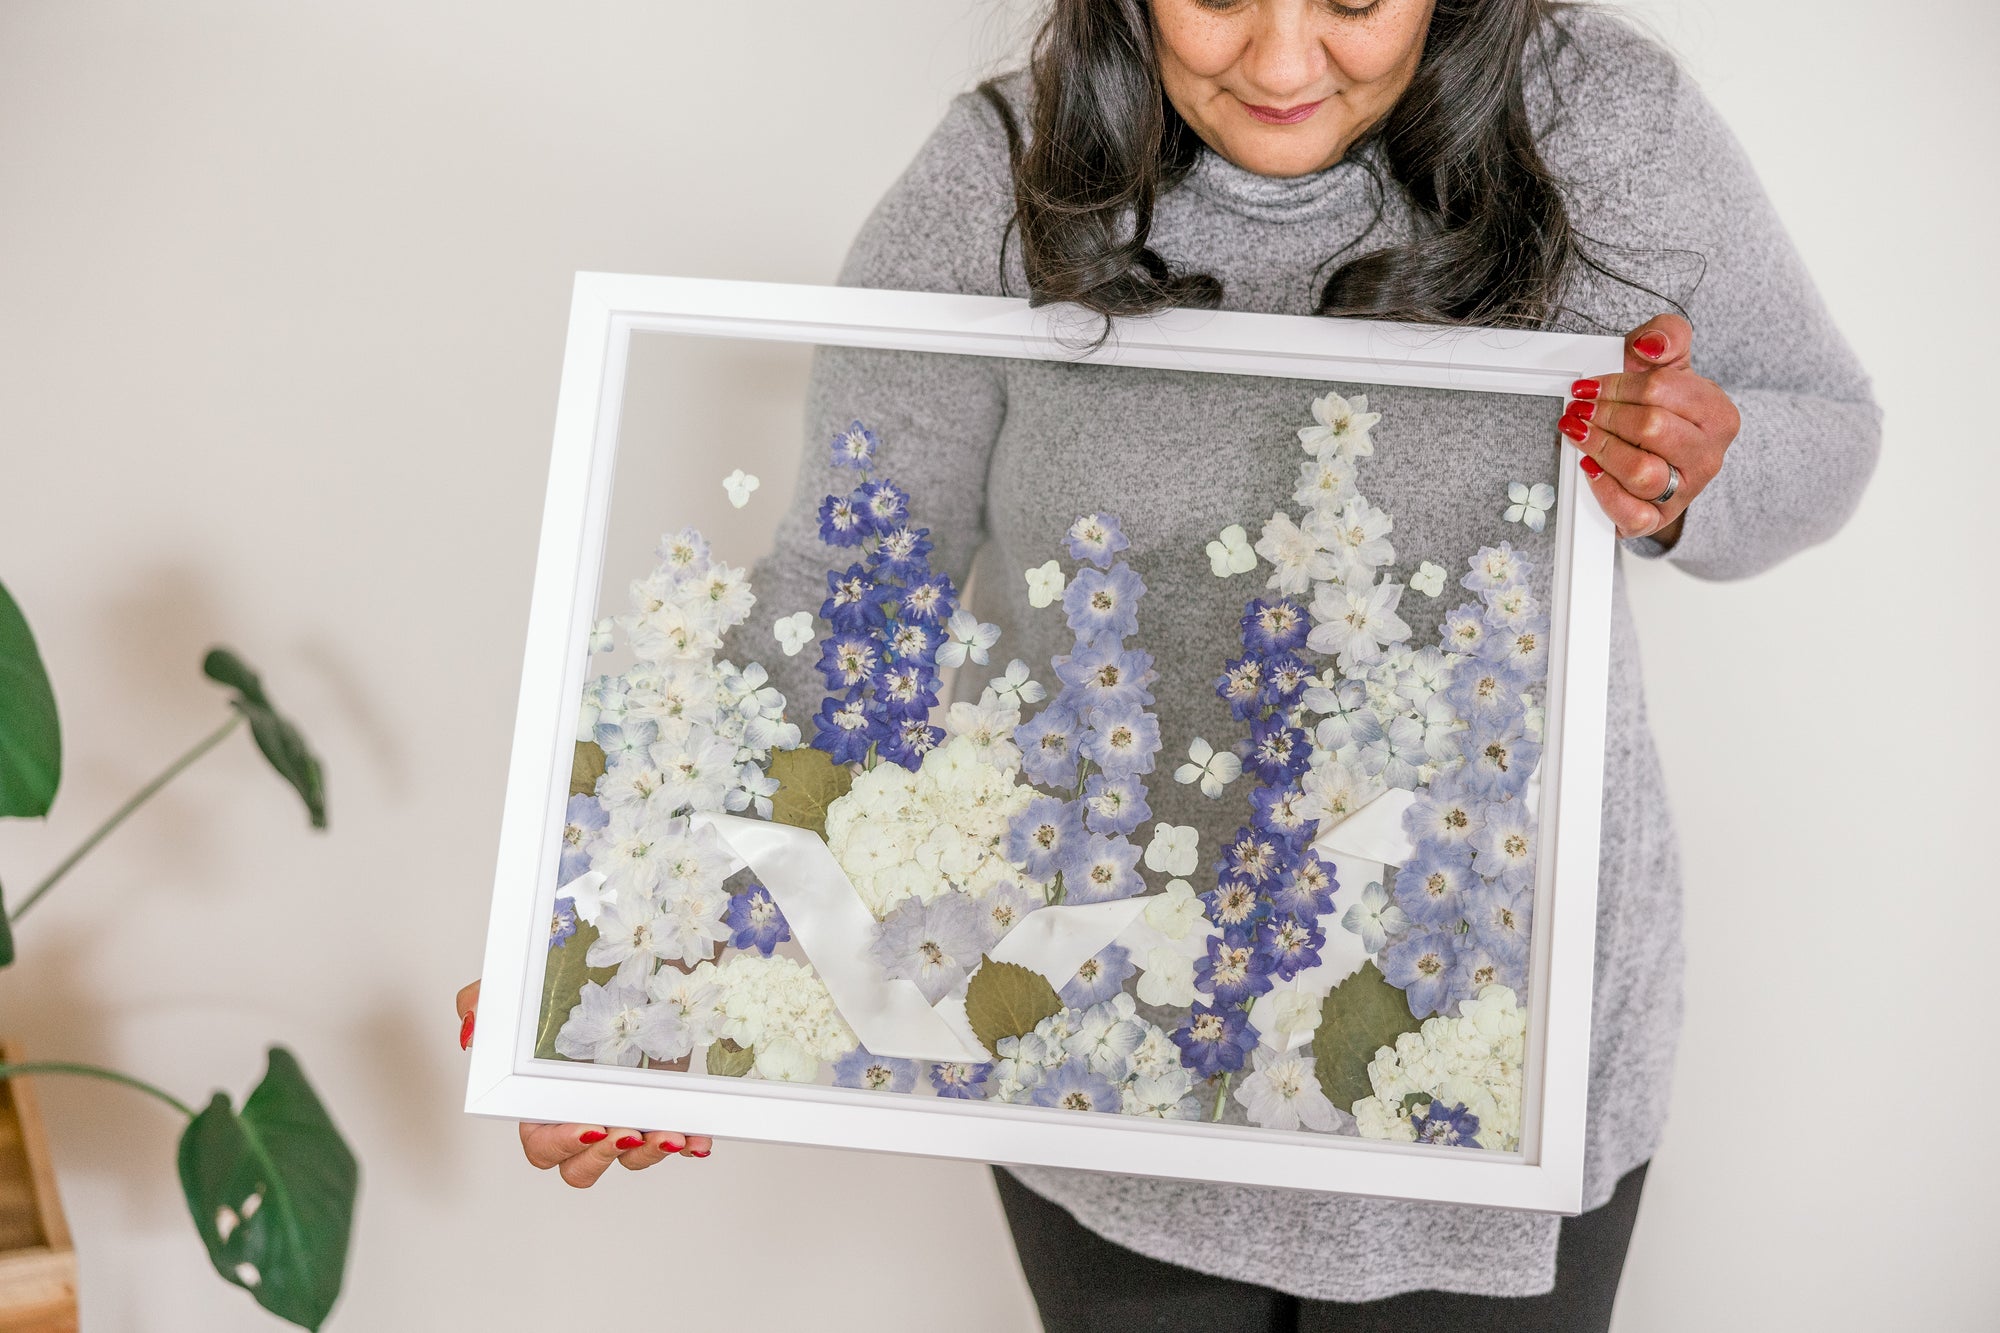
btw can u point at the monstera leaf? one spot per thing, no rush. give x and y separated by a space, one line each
271 1188
276 736
30 739
1361 1015
808 782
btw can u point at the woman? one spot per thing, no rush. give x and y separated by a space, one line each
1509 162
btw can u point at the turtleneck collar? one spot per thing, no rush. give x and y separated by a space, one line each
1272 198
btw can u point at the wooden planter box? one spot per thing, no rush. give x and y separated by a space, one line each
37 1263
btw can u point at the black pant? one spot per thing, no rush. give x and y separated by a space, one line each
1083 1283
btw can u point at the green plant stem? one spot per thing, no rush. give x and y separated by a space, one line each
1221 1099
94 1071
118 816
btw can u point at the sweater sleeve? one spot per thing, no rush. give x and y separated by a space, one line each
1811 430
938 229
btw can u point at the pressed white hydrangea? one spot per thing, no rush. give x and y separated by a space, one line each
780 1008
901 835
1473 1061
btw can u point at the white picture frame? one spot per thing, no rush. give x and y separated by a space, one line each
506 1081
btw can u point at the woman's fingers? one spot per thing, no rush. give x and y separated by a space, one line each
653 1149
468 1001
1662 341
581 1154
1632 516
1639 465
549 1146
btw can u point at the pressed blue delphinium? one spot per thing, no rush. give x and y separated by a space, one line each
755 922
1095 740
1453 1126
562 922
1074 1086
1456 918
1288 945
1096 538
1102 869
1421 964
1233 971
1115 804
1215 1039
1045 835
855 447
879 1073
1100 977
1435 887
584 815
934 944
960 1079
887 611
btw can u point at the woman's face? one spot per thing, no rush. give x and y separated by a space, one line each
1283 87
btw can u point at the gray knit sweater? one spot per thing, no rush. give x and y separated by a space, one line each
1001 455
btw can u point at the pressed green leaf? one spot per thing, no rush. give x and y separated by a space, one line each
1007 1000
562 987
271 1190
729 1060
808 782
586 768
1412 1100
30 736
1361 1014
275 735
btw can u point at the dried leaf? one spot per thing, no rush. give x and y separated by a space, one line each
808 782
562 987
1007 1000
729 1060
1361 1015
586 768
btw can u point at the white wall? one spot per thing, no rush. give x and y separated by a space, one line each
283 307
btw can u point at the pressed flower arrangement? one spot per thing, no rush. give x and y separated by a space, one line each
998 851
270 1184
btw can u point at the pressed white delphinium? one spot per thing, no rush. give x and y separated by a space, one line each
617 1024
1353 622
1340 427
1295 555
1283 1093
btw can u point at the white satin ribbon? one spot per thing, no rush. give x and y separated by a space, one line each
835 928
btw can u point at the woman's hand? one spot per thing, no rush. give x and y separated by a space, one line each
582 1153
1658 412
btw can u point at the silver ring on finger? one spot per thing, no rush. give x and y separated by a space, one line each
1673 485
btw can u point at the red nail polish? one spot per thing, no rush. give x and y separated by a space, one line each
1592 468
1584 389
465 1031
702 1153
1652 345
592 1136
628 1143
1582 411
1574 427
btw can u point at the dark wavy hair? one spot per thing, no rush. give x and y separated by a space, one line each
1494 243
